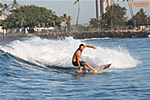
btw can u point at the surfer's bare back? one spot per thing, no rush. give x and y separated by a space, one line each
76 58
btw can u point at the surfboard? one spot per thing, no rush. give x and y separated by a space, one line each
102 68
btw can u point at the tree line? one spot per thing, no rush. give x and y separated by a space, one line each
18 16
114 18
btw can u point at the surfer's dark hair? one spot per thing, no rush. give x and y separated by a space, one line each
81 45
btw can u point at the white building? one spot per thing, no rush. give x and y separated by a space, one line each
100 7
2 17
42 28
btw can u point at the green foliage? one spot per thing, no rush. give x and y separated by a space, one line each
4 9
95 23
0 12
68 22
139 19
113 18
15 4
18 16
76 2
148 20
30 16
84 28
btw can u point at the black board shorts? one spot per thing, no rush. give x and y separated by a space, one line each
82 63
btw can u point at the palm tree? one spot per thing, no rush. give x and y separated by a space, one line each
59 20
4 10
69 22
14 4
49 20
0 12
1 7
65 20
130 9
77 1
21 21
52 19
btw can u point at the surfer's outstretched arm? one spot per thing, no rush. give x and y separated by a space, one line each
90 46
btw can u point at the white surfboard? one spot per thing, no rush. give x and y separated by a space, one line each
102 68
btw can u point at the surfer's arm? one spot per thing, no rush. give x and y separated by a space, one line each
90 46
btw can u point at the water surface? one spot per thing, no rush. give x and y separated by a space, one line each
41 69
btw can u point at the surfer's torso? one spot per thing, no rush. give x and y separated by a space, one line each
76 55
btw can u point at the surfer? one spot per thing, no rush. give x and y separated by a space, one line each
76 58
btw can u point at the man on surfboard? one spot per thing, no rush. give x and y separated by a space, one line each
76 58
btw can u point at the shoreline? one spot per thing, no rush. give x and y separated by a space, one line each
77 35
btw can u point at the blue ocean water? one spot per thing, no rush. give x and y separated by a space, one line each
41 69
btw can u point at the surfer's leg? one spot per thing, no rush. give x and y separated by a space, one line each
84 67
82 63
88 65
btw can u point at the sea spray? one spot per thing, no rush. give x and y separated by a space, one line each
59 53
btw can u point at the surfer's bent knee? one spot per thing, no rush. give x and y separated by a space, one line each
86 63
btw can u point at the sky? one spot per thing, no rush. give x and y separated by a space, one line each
87 7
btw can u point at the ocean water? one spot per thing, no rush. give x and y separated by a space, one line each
40 69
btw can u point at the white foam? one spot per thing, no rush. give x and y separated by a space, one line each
60 52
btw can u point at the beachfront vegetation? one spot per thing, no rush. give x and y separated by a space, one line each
4 9
18 16
114 18
29 16
77 1
139 19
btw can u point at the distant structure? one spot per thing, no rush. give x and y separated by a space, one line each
100 7
2 17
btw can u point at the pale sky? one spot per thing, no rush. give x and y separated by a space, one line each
87 7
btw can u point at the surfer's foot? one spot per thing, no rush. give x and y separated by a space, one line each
96 70
86 71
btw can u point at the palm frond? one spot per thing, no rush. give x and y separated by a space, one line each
76 2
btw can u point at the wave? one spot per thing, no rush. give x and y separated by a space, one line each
59 53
